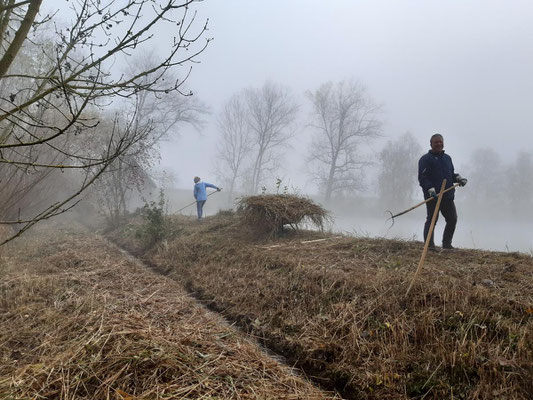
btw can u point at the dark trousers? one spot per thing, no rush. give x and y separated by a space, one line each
447 209
200 208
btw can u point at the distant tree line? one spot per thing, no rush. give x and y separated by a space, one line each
256 125
500 189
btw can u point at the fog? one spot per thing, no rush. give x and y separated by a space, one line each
471 233
459 68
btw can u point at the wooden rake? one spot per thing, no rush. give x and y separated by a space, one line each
417 205
194 202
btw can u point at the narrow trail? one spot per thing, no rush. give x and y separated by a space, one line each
212 309
135 333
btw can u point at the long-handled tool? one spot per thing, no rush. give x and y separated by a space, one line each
417 205
428 238
194 202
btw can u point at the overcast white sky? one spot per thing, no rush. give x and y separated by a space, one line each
462 68
459 67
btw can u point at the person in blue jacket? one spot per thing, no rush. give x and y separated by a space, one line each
200 194
433 168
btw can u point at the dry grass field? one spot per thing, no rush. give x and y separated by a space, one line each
335 306
81 320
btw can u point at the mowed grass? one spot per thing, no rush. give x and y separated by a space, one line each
336 307
81 320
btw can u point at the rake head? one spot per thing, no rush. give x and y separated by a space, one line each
390 218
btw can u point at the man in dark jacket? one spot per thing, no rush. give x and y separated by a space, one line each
433 168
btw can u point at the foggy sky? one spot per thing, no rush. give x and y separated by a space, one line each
460 68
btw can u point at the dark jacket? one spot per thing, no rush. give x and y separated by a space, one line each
433 168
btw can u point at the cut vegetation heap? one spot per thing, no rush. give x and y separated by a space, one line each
268 214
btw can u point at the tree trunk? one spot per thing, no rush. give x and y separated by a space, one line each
20 36
257 172
331 178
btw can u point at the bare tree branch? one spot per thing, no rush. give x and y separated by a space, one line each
271 111
344 117
54 85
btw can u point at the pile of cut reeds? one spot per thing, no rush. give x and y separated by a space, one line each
268 214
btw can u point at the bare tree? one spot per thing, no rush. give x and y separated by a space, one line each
271 112
126 174
161 114
50 111
397 179
484 170
519 186
235 142
344 118
161 108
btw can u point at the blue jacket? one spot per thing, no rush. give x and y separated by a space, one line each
200 194
433 168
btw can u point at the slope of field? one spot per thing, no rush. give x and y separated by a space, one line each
81 320
336 307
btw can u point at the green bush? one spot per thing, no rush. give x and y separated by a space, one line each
155 226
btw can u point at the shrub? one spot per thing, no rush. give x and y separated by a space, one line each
155 226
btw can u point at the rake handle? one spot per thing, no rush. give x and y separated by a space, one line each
425 201
194 202
428 238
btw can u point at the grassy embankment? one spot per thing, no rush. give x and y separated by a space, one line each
337 308
81 320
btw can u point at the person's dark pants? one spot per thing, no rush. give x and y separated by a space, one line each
447 208
200 208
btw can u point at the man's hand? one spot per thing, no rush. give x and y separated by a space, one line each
219 189
462 181
432 193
